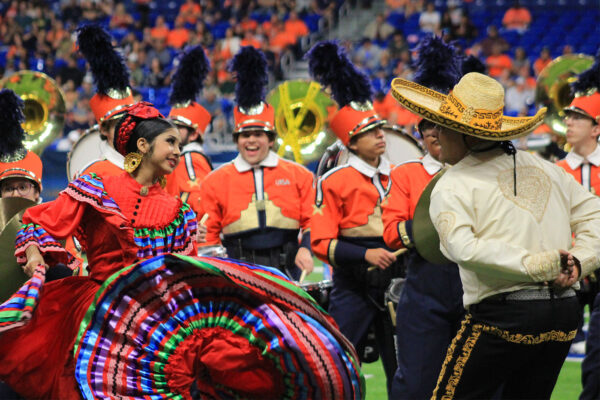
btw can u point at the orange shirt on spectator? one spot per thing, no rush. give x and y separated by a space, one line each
498 63
396 4
254 42
190 12
516 18
248 25
159 32
281 40
297 28
540 64
178 37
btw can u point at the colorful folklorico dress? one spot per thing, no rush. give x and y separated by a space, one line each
151 328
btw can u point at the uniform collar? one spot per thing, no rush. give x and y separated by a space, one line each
361 166
575 160
192 146
431 165
242 165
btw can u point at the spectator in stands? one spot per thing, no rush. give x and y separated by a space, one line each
397 45
247 24
368 54
280 39
498 62
136 72
517 17
567 49
72 12
230 45
160 29
55 34
295 26
250 39
544 59
211 12
379 30
121 18
143 8
190 11
203 34
518 98
159 50
430 19
520 61
157 77
455 11
465 29
179 35
493 38
70 72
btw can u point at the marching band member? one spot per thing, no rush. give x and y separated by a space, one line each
583 162
430 307
347 231
21 170
113 94
506 218
191 119
259 202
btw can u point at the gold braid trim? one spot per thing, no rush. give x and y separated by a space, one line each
331 252
450 352
459 366
519 338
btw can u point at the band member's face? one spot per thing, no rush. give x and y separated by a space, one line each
107 129
369 145
18 187
164 153
254 146
187 134
580 129
432 142
453 148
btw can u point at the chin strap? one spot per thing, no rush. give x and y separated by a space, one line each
508 147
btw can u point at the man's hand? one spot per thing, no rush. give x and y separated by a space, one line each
381 258
304 260
201 234
34 258
569 272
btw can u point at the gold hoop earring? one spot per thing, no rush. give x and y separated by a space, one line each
132 161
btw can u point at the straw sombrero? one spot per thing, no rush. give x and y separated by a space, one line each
474 107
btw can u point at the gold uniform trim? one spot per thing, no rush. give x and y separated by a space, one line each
373 227
542 266
249 217
331 252
403 234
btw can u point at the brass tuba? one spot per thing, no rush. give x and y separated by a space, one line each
553 91
301 117
44 107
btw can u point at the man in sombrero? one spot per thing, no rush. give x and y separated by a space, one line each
506 218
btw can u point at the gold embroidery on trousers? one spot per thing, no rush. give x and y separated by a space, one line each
459 366
450 352
519 338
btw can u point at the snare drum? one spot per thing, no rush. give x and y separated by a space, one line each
212 251
319 291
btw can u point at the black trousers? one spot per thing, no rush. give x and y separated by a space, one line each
512 348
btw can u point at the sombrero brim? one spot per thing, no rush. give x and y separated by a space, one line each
426 103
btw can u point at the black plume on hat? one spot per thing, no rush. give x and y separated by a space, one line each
471 63
329 64
588 79
188 80
437 66
11 117
250 68
107 65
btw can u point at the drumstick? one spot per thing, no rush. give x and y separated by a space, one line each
203 219
302 276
